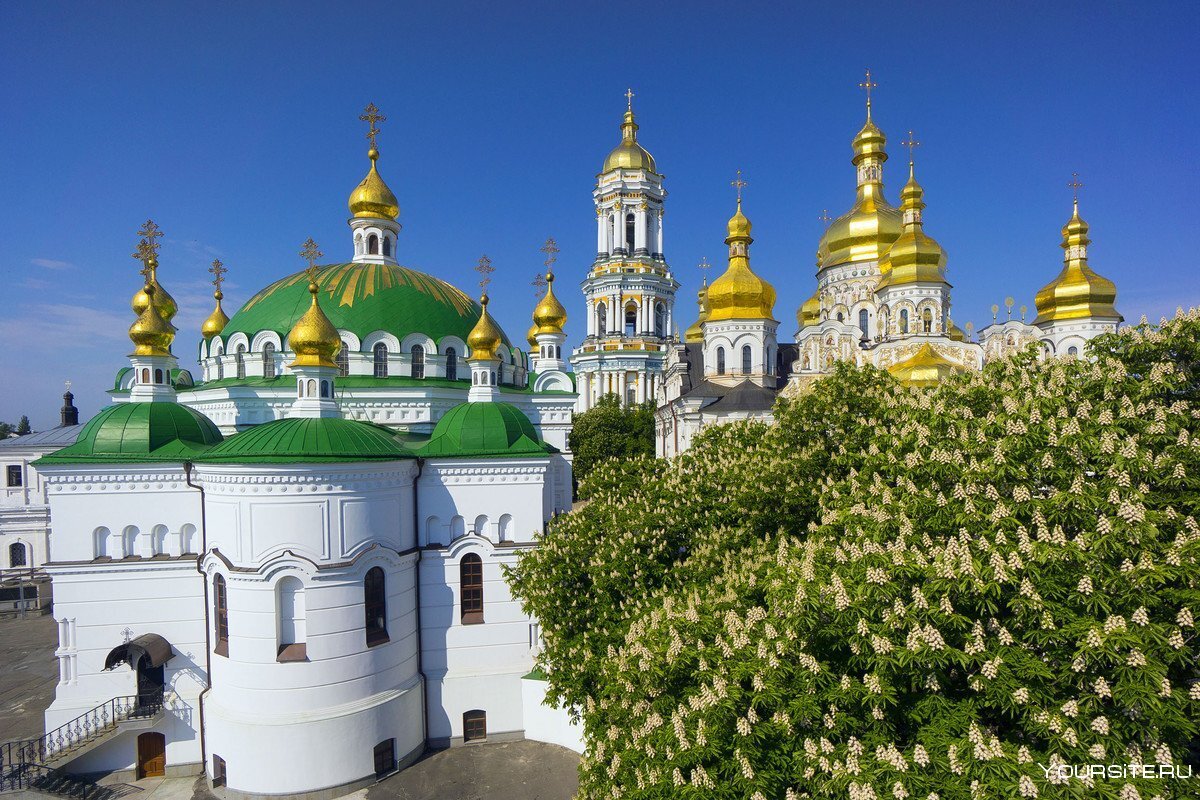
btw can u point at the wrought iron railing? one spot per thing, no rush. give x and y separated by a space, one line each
20 759
56 782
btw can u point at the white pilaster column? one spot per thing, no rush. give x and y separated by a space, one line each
658 224
616 228
639 229
621 386
601 239
591 317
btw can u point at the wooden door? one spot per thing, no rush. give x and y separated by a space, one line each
152 755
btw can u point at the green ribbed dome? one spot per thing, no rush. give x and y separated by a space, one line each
484 429
317 440
130 432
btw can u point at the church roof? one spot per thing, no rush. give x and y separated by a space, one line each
309 440
746 396
61 436
475 430
135 432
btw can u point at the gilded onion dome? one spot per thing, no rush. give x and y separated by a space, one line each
372 197
1077 292
150 333
695 331
956 333
313 338
531 335
867 229
810 311
217 320
914 257
926 367
550 316
485 337
163 301
739 293
629 154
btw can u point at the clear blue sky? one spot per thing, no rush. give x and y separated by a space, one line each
235 126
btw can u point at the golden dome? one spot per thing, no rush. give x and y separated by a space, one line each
695 331
550 316
1077 292
313 338
739 293
163 301
216 320
913 257
956 333
531 335
810 312
150 333
926 367
372 197
866 230
629 154
485 337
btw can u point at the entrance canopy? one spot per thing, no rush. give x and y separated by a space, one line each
155 648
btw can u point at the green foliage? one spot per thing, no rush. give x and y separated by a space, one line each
895 593
610 431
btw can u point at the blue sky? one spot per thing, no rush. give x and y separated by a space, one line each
235 126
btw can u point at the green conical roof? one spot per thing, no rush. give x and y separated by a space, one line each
315 440
484 429
132 432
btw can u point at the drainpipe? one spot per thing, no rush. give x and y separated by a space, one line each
417 594
187 471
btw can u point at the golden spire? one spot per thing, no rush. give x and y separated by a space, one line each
550 316
739 225
914 257
1078 292
313 338
486 336
629 154
739 293
372 198
147 253
217 319
150 333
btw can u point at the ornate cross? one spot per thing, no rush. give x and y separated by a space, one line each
1075 185
143 252
147 271
371 116
912 144
868 85
825 217
218 271
704 268
539 283
485 270
550 248
629 99
739 184
311 253
152 233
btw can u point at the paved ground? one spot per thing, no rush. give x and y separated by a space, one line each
28 674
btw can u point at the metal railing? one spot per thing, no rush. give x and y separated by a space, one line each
19 759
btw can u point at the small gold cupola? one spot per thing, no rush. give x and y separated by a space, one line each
218 319
914 257
486 336
313 339
372 199
150 333
738 293
550 316
147 253
695 331
810 311
1078 292
629 154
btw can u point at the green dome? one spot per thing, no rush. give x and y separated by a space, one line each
301 440
362 299
484 429
140 432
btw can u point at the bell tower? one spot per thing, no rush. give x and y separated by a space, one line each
629 289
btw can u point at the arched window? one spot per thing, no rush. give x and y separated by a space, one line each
239 359
17 555
720 360
104 544
451 364
129 540
343 360
145 375
387 246
381 360
660 320
220 368
746 359
375 606
630 319
187 539
289 605
221 614
506 527
373 245
630 224
904 320
470 581
418 361
268 358
1073 351
841 317
927 321
863 319
158 376
326 393
601 319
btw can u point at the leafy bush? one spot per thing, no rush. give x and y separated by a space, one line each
896 593
610 431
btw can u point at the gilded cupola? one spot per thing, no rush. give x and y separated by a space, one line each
1078 292
629 154
372 198
549 316
925 367
868 229
739 293
695 331
218 319
485 337
313 338
810 311
914 257
150 333
147 253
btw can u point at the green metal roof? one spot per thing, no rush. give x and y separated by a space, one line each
320 440
474 430
132 432
363 298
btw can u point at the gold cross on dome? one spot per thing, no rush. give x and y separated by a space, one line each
739 184
1075 185
912 144
629 99
371 116
704 268
539 283
218 271
485 270
311 253
143 252
152 233
868 85
550 248
147 271
825 217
